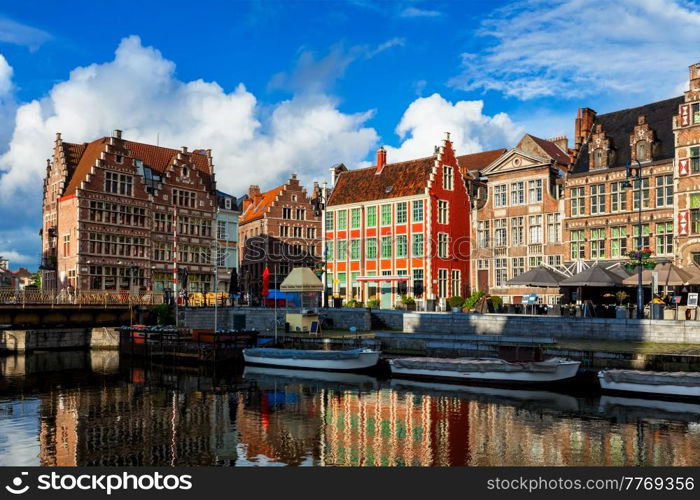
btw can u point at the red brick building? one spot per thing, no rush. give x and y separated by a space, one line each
278 229
400 228
108 216
518 215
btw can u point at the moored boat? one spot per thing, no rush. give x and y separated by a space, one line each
488 370
352 359
679 384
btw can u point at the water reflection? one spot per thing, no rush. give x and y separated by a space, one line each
95 409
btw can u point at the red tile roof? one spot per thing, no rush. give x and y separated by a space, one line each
552 150
257 208
397 180
72 153
81 158
478 161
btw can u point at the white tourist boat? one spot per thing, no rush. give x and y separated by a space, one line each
353 359
682 384
486 369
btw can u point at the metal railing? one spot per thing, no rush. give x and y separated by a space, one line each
81 298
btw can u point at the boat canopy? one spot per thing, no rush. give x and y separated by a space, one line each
265 352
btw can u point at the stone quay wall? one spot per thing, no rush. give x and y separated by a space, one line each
59 338
671 331
512 325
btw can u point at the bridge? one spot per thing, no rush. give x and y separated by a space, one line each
35 308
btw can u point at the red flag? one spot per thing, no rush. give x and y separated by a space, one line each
266 283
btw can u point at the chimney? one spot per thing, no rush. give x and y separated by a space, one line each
584 124
117 134
183 149
562 142
381 159
253 192
336 170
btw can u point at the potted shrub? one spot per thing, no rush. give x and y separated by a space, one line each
472 300
456 303
373 303
621 311
408 302
497 303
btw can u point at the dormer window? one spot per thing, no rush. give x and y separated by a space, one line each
598 158
643 151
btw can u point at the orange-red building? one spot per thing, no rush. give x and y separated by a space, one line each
401 228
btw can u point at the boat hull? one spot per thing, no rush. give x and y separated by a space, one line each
565 370
660 389
364 361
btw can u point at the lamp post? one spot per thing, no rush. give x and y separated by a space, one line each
320 210
635 173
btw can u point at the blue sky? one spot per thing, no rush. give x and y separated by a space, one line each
297 86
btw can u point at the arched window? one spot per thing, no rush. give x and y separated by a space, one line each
642 149
598 158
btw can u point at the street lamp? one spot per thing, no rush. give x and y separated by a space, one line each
319 204
635 173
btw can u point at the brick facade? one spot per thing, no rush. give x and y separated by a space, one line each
278 229
686 128
404 219
517 216
108 216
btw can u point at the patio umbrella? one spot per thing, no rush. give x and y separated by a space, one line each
596 276
265 283
668 275
540 276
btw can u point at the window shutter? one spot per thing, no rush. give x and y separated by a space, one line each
683 223
685 115
683 166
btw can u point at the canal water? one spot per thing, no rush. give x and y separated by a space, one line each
93 408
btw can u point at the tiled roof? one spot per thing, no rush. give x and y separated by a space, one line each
619 125
72 153
478 161
552 150
83 156
257 209
407 178
396 180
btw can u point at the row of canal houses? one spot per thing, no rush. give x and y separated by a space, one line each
449 224
434 227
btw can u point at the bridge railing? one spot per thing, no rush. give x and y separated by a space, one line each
80 298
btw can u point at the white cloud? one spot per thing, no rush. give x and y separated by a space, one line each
12 239
316 76
252 143
21 34
415 12
16 257
139 93
7 102
572 48
427 118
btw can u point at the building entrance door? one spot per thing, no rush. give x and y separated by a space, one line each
385 295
